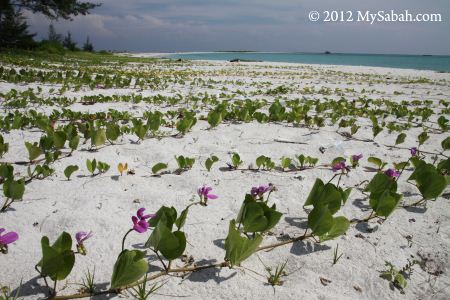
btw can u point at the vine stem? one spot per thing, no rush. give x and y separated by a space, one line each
176 270
334 176
414 203
370 217
339 179
6 205
403 169
125 237
426 152
194 268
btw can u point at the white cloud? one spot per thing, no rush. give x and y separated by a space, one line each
172 25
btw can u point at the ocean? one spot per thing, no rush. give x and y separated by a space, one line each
438 63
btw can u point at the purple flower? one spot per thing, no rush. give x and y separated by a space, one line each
139 221
413 151
203 192
340 166
260 190
81 236
356 158
392 173
6 239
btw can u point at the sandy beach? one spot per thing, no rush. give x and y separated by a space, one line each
105 203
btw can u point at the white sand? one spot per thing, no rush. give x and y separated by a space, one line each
104 204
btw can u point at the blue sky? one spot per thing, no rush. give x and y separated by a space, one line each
263 25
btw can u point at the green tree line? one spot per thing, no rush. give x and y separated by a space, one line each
14 30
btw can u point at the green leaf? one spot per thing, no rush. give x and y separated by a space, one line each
320 220
140 130
129 268
443 123
340 227
315 192
98 138
422 138
57 260
236 160
376 130
400 280
182 218
379 184
170 244
33 150
337 160
376 161
401 165
14 189
172 250
73 143
239 248
446 144
326 195
442 167
260 161
385 203
6 171
59 139
214 118
158 167
428 180
154 122
285 162
185 124
210 161
91 165
102 167
46 142
168 215
344 194
181 161
258 217
112 131
400 138
4 147
69 170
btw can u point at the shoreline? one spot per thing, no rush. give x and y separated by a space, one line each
362 68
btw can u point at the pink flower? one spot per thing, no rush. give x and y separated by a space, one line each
392 173
413 151
203 192
356 158
340 167
81 236
260 190
6 239
139 221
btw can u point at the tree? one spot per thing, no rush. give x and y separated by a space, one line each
53 36
68 43
14 30
88 45
54 9
10 14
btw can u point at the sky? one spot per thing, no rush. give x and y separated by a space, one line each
259 25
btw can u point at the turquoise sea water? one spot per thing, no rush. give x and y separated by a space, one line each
419 62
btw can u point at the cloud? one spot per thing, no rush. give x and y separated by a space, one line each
278 25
